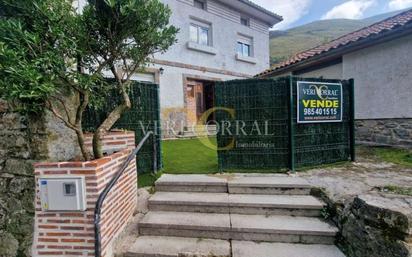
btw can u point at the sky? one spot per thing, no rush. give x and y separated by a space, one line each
298 12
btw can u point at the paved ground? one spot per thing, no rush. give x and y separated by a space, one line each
362 177
366 177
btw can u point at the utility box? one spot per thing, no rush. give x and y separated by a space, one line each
62 193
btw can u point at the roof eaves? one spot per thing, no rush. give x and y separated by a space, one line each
335 52
344 41
260 8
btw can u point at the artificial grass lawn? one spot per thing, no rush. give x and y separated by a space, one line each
184 156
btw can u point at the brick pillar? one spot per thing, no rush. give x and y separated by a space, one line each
72 233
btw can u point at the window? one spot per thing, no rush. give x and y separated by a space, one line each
243 49
244 46
244 21
200 34
200 4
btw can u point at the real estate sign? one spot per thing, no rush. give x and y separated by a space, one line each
319 102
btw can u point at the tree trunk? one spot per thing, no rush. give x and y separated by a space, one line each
83 148
108 124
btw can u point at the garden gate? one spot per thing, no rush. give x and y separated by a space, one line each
144 116
272 138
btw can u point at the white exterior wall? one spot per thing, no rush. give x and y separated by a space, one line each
225 28
172 87
330 72
383 79
225 24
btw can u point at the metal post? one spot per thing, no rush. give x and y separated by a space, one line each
351 83
154 153
158 135
292 149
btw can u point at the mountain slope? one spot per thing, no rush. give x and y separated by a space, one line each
284 44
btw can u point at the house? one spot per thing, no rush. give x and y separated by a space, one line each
379 58
218 40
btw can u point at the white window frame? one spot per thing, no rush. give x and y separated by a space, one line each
245 40
199 26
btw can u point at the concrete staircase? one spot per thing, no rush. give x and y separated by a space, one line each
236 216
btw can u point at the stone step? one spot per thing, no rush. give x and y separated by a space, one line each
285 229
269 185
157 246
253 249
295 205
191 183
234 184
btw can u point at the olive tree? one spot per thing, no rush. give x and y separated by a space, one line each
50 50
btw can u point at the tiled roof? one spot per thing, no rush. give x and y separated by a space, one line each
386 25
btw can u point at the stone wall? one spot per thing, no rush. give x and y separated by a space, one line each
394 132
23 140
376 227
20 143
371 225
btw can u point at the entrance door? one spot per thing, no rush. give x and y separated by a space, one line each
195 102
200 103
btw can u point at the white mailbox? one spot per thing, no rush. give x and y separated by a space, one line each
62 193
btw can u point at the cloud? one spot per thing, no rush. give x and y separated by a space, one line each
291 10
353 9
399 4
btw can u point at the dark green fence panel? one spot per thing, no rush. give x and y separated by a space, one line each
266 103
142 117
257 103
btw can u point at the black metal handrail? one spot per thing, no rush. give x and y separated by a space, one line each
109 186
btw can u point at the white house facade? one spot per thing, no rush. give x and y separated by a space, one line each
218 40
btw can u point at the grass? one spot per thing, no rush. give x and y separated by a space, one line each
184 156
398 190
147 179
398 156
188 156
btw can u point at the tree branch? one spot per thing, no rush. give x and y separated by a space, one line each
64 107
60 117
71 83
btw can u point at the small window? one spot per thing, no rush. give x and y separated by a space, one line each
244 46
244 21
200 34
200 4
243 49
